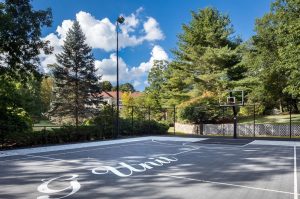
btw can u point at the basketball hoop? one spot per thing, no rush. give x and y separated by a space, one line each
232 98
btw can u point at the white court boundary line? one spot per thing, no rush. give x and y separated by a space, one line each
169 144
226 184
63 147
275 143
201 146
63 153
295 174
88 166
94 149
56 159
15 152
48 156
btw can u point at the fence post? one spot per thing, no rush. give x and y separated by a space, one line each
144 120
113 121
44 134
132 120
223 112
174 118
102 134
254 120
149 119
2 138
290 121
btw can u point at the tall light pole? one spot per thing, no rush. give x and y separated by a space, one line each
120 20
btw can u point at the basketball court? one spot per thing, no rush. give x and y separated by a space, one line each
153 167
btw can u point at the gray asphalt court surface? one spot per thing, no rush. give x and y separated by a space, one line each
155 168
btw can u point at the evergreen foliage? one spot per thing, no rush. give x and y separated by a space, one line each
126 87
106 86
207 60
207 54
76 89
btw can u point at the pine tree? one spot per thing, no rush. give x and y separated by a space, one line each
207 56
76 90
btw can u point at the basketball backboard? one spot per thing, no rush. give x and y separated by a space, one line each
232 98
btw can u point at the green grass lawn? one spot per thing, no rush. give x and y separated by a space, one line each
171 132
272 119
44 125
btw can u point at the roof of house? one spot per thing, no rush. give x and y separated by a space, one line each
113 94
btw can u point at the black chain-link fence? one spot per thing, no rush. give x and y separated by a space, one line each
140 120
133 121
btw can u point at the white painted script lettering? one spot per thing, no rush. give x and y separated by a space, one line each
122 170
74 187
129 169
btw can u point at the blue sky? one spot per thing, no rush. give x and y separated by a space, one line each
150 32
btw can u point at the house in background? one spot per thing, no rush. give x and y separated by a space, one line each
110 97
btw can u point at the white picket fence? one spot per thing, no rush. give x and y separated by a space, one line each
259 130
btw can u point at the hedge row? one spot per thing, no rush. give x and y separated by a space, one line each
68 134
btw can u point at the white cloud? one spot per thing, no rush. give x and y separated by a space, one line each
101 34
157 53
63 29
146 83
136 83
50 59
130 23
152 30
139 10
107 68
135 75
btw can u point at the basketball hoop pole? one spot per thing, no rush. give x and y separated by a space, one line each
235 99
234 119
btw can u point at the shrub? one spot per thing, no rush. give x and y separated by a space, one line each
99 128
142 127
248 110
198 109
15 127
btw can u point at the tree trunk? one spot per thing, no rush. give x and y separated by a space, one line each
280 106
295 105
201 127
